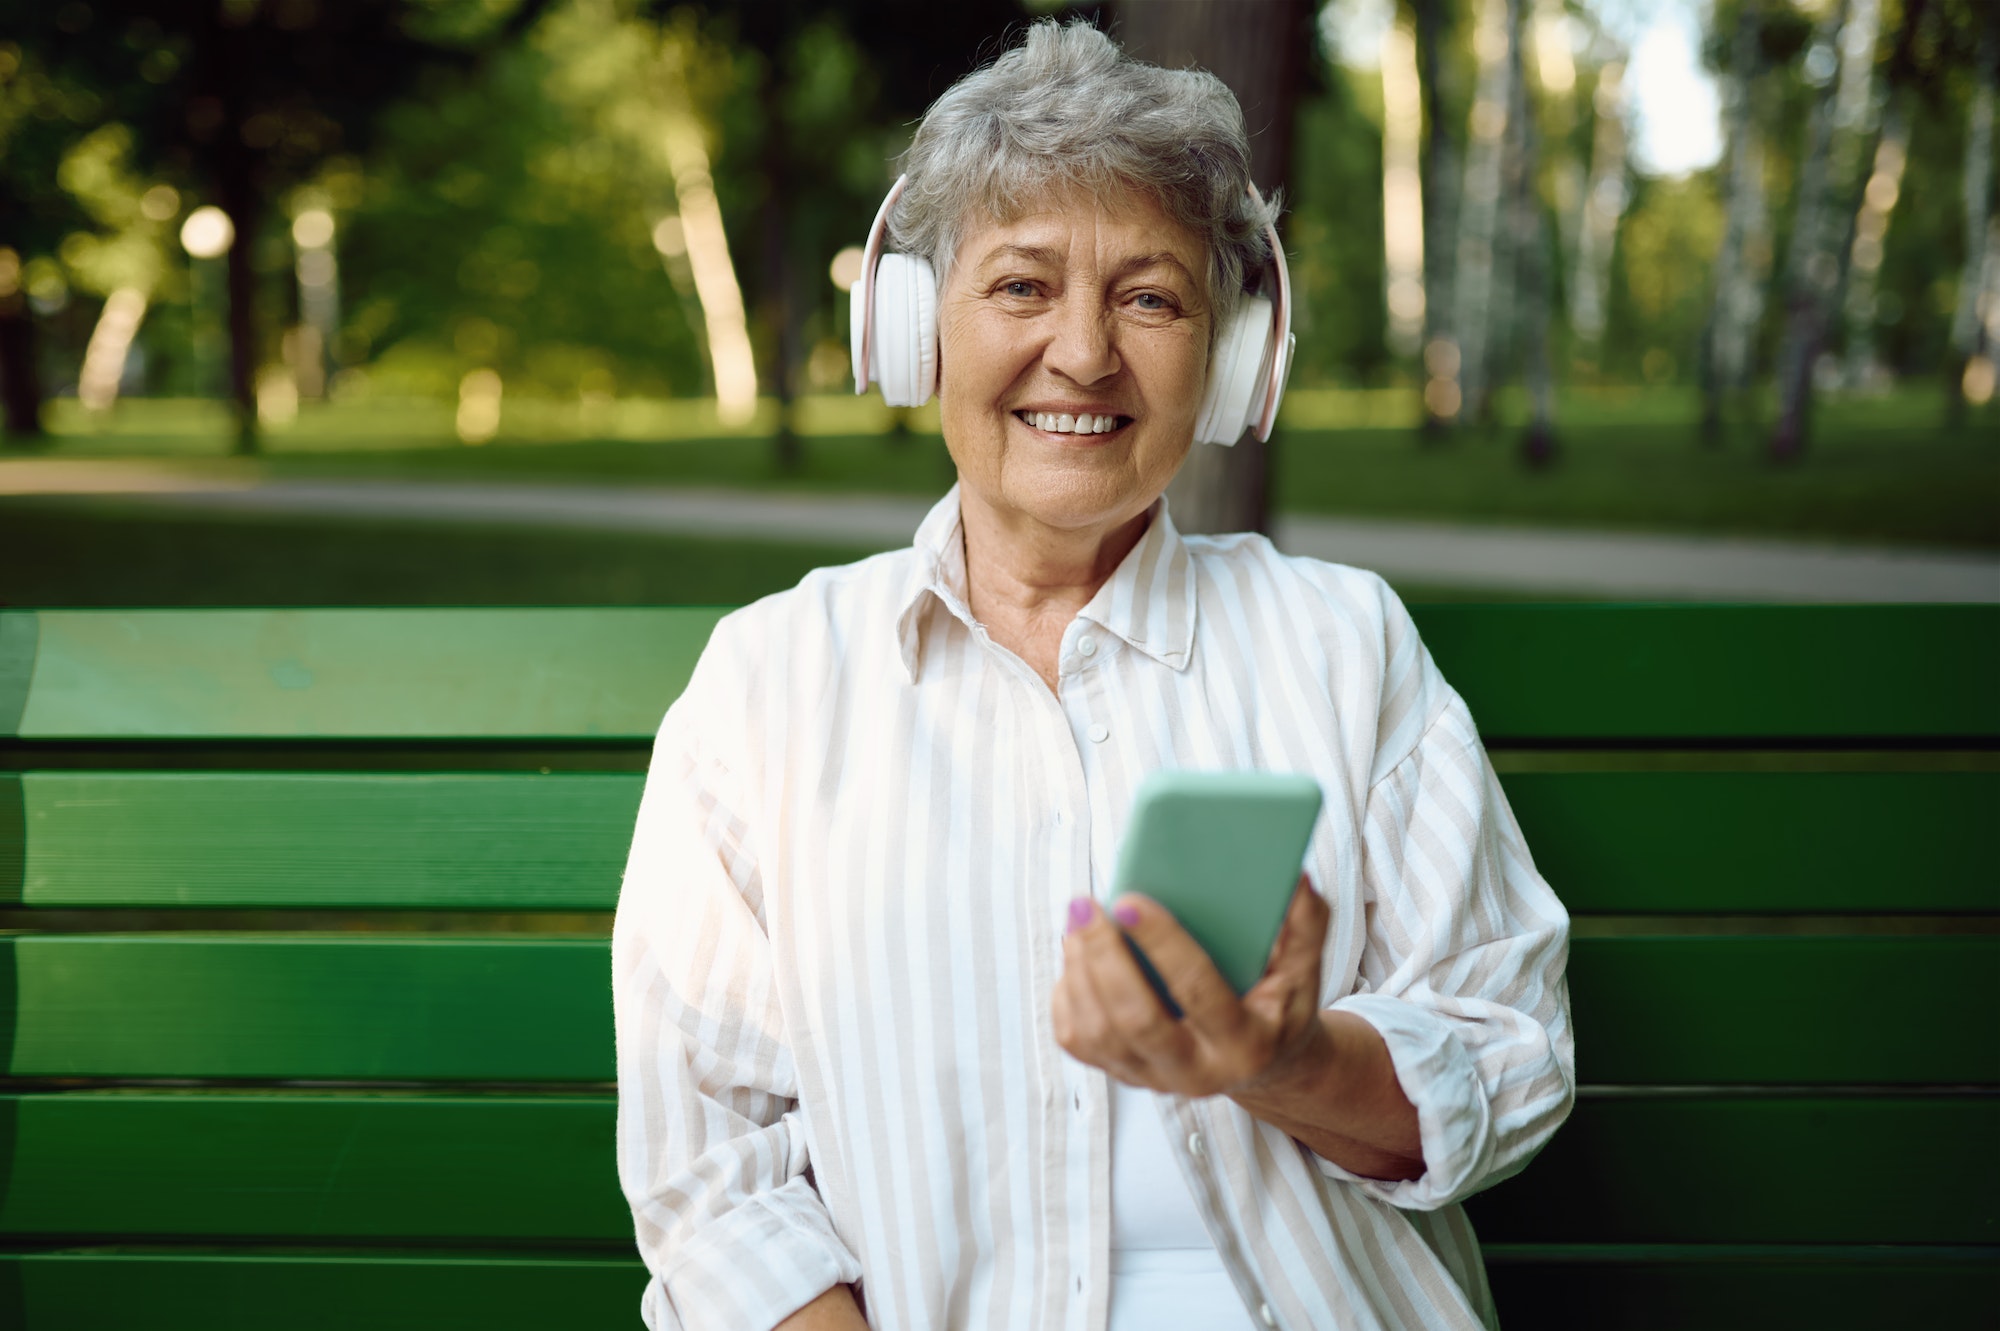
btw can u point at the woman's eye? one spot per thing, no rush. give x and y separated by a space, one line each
1151 300
1020 289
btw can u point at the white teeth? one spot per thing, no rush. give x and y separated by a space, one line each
1062 422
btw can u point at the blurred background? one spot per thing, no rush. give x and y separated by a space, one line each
543 301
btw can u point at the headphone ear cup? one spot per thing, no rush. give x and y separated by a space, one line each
905 332
1236 373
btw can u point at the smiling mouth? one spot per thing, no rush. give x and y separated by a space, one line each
1062 422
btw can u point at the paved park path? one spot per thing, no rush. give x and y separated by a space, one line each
1566 562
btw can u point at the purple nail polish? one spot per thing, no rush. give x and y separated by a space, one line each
1127 915
1079 913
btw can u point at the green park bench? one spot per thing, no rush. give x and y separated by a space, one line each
304 991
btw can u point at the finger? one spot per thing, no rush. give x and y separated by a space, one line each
1075 1014
1302 937
1288 993
1092 1024
1141 1025
1210 1006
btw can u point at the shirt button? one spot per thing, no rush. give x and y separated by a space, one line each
1086 646
1194 1144
1264 1311
1099 732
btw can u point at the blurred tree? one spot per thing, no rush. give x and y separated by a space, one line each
1260 49
1735 286
806 138
43 108
1982 246
247 98
1840 63
1441 180
520 216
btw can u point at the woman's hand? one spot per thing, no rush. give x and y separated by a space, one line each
1106 1014
1325 1078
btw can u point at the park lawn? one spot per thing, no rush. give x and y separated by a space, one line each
1881 470
106 553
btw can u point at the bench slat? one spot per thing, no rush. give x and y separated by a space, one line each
1586 672
515 841
323 1166
1649 1011
1597 672
1738 1289
347 674
1762 842
394 1008
416 1291
1778 1011
1728 1170
1724 1289
1650 842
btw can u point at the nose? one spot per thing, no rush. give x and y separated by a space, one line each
1082 348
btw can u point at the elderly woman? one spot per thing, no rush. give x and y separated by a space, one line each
883 1057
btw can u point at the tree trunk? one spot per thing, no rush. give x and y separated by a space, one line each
1603 205
1722 342
779 306
1440 185
1527 299
20 375
1966 326
1258 48
1822 229
1479 235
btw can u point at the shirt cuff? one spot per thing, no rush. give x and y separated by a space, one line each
1436 1072
758 1263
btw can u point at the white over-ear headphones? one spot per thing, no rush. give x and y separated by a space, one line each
892 324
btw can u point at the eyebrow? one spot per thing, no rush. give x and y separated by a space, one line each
1049 255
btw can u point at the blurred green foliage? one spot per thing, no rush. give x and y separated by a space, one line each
497 173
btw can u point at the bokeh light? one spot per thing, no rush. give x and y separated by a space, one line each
208 233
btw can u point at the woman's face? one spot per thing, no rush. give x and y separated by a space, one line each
1085 314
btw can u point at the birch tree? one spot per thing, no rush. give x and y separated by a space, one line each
1603 204
1479 202
1981 273
1736 303
1879 196
1440 196
1524 309
1813 270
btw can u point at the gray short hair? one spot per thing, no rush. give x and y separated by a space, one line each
1069 108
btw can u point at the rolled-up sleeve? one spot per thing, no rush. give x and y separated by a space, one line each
1462 972
711 1152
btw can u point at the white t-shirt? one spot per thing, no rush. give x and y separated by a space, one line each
1165 1272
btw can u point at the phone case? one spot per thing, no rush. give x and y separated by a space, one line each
1222 851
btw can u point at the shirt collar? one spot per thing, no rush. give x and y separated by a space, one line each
1149 600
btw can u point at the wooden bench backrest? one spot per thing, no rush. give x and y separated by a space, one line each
307 991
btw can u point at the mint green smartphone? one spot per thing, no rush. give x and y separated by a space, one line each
1222 851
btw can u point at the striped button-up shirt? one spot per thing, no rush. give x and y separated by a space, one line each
843 917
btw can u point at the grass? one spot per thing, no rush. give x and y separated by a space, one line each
1880 469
